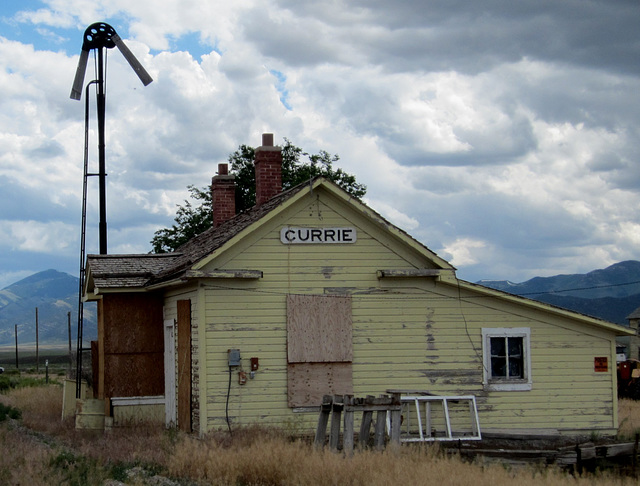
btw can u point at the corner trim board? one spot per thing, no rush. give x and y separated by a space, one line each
248 274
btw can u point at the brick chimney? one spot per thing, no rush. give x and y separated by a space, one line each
268 165
223 195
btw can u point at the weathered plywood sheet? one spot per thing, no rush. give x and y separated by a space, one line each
133 323
319 329
308 382
140 371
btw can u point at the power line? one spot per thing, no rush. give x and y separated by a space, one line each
580 288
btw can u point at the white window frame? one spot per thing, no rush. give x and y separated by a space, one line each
510 384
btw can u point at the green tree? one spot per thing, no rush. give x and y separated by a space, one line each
193 218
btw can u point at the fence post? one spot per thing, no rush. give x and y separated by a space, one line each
336 414
396 418
381 424
365 425
321 431
348 424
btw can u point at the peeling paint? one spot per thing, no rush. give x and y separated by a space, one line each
327 272
431 342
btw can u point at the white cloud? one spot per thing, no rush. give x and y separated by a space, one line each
38 237
509 139
464 251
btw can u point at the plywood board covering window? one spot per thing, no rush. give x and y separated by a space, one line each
319 348
319 329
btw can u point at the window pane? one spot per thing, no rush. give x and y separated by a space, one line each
515 346
515 368
516 363
498 346
498 367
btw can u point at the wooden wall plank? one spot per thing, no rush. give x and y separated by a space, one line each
184 365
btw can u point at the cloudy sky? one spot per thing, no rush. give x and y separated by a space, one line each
503 135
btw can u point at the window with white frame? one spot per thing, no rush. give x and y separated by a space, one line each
506 358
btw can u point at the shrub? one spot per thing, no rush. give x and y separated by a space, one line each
77 470
8 411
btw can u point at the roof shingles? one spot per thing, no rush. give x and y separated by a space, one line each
138 271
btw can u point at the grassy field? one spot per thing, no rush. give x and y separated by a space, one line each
58 357
38 448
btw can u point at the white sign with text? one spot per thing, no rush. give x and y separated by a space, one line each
290 235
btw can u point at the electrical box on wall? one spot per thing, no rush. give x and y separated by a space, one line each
234 357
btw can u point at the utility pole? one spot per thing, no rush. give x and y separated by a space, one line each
70 355
37 348
16 332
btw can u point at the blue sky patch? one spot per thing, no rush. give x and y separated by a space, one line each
281 86
191 42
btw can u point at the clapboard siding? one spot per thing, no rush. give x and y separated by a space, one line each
408 333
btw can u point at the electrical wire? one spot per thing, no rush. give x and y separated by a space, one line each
226 411
581 288
466 326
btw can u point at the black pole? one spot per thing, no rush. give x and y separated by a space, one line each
16 332
37 347
70 353
102 175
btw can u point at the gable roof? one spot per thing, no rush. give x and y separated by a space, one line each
142 272
124 271
205 243
131 272
137 271
635 314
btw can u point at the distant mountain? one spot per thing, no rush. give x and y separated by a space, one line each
611 293
54 294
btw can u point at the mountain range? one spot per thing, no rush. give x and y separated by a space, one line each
54 294
611 294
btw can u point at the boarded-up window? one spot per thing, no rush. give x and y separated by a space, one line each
319 348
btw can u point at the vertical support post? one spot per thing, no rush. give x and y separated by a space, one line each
381 423
323 420
396 418
102 174
365 427
336 414
348 425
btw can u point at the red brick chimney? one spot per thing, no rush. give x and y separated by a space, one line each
268 165
223 195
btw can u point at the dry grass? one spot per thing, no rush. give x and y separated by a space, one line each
41 449
281 462
629 418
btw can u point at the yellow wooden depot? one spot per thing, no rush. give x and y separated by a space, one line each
269 326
